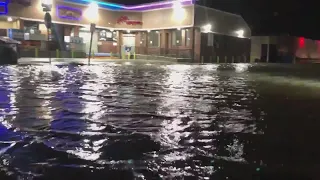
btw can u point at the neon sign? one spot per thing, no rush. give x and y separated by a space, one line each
126 20
70 13
4 7
142 7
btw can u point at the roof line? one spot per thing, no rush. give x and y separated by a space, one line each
219 10
109 5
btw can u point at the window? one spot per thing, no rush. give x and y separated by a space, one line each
177 38
154 38
142 39
188 37
210 39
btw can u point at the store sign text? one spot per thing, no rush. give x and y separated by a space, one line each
126 20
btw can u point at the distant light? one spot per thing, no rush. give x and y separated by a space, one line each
178 29
148 31
240 33
128 31
207 28
301 42
157 31
10 19
111 30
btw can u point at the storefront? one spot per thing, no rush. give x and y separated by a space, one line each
166 28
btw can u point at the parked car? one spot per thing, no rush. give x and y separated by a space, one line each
9 51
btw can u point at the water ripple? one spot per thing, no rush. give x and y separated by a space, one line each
154 121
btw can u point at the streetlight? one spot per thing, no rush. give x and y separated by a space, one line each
92 14
46 7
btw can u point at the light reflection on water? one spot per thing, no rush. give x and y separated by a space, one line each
144 121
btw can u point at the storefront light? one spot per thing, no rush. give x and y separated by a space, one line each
46 5
179 13
91 12
46 2
10 19
240 33
207 28
177 4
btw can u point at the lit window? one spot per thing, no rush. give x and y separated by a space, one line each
188 37
177 38
154 38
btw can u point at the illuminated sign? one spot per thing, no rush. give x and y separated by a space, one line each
70 13
4 2
142 7
126 20
3 9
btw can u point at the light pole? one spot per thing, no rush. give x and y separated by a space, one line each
92 14
46 7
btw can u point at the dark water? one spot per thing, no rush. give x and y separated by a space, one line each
143 121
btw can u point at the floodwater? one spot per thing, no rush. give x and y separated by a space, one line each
159 121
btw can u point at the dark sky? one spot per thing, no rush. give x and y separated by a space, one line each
277 17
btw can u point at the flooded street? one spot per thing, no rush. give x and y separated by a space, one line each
158 121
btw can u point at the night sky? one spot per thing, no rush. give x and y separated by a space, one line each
269 17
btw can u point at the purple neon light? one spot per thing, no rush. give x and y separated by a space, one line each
154 5
4 9
150 6
162 6
4 2
60 7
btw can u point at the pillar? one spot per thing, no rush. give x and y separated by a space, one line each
196 43
76 31
119 43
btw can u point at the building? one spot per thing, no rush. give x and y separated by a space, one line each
284 49
178 28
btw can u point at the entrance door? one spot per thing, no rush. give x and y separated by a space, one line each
128 45
264 52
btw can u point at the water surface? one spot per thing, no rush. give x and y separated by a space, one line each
158 121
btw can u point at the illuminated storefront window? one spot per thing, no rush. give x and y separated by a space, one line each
177 38
188 37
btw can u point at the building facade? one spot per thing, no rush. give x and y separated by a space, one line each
284 49
176 28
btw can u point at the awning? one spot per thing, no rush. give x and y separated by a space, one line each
7 40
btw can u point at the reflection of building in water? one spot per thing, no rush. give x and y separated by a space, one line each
8 106
32 99
167 28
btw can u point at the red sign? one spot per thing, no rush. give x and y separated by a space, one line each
126 20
